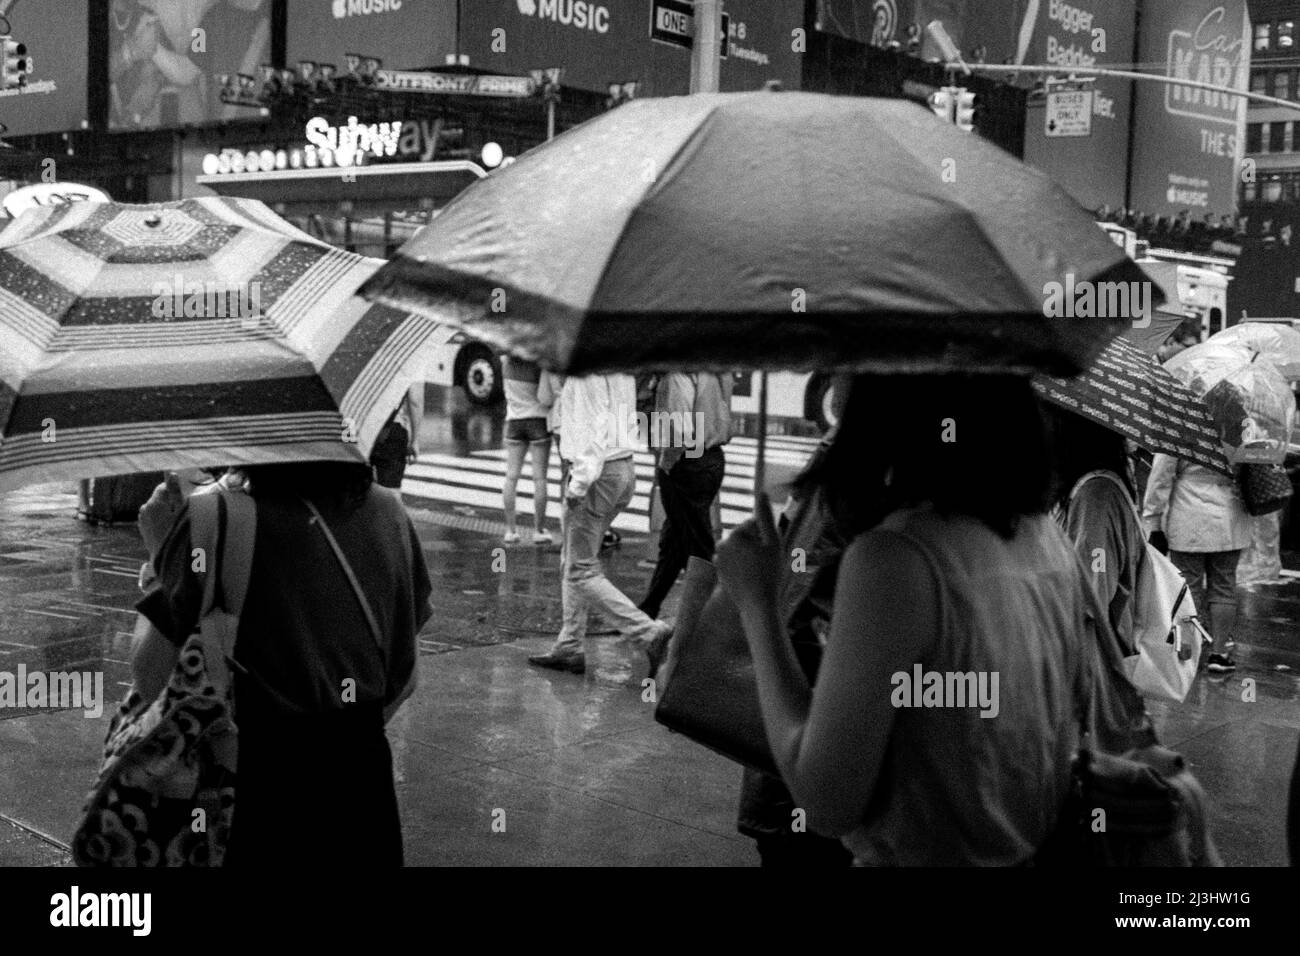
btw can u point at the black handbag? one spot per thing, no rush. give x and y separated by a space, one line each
1264 488
710 693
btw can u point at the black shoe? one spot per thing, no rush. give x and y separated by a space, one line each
572 663
1220 663
657 649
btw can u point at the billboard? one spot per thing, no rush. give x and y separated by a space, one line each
56 34
1091 168
165 55
599 43
405 34
1189 141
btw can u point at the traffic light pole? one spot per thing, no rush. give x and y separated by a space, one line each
1133 75
706 49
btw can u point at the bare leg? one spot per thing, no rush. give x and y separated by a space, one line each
540 454
514 465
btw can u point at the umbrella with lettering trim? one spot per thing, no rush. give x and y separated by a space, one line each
1127 391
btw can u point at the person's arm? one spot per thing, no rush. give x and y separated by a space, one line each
403 661
153 658
591 441
1096 530
1160 487
675 402
830 744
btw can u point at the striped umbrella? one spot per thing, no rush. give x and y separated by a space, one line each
1127 391
189 334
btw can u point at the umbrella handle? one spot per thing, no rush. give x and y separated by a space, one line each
760 464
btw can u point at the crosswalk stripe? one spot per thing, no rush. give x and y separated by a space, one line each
497 467
476 480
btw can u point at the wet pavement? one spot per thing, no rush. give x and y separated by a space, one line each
576 767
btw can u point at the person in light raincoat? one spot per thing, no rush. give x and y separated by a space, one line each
1197 516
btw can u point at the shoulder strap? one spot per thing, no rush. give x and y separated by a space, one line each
205 535
237 555
224 524
371 621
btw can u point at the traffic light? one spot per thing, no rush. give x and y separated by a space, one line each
14 65
943 102
965 111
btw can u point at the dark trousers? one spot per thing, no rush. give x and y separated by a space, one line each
687 493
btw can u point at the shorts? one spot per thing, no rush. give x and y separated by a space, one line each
530 430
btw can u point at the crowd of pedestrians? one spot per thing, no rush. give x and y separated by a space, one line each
959 534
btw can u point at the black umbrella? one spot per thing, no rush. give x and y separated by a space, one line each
767 230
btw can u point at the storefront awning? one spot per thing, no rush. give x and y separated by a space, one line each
368 189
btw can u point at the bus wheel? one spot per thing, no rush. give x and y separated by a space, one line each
819 402
480 375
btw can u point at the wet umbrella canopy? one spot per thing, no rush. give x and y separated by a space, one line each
767 230
199 333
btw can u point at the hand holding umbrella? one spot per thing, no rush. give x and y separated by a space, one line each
158 514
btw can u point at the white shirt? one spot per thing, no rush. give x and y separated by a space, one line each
597 416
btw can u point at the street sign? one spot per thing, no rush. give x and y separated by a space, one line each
673 22
1069 112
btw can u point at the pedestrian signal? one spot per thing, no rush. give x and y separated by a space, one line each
14 64
965 111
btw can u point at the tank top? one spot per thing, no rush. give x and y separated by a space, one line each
957 788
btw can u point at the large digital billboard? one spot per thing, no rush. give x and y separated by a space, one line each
404 34
1188 147
56 34
165 56
609 41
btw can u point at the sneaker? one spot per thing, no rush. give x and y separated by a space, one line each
1220 663
511 537
542 537
552 660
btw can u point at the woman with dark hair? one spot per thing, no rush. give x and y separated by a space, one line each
946 710
1094 497
313 683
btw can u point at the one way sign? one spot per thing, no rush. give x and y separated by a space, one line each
673 22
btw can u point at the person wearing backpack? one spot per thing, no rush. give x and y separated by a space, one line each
1199 519
1095 507
324 655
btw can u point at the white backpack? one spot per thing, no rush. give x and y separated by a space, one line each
1166 631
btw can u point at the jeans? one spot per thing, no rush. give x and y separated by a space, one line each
585 587
687 493
1211 577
